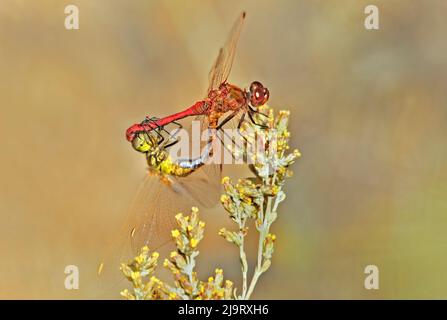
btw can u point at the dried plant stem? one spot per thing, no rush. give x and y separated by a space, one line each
244 265
243 257
254 280
258 269
189 269
263 231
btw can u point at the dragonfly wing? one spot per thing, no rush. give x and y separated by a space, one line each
149 221
204 185
152 216
214 74
222 66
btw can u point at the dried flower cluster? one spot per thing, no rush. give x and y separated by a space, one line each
258 198
181 263
255 198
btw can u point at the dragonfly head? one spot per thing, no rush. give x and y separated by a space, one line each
142 142
257 94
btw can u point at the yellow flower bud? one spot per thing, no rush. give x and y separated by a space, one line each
135 275
172 295
228 283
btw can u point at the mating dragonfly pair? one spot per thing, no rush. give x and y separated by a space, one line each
222 99
188 182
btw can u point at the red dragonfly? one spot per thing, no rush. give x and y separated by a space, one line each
222 97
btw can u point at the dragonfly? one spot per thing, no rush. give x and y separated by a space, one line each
222 98
168 188
188 181
179 178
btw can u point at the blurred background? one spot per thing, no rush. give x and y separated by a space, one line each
368 112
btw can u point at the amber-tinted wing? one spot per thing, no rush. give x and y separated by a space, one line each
222 66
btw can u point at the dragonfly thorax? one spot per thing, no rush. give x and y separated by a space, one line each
227 98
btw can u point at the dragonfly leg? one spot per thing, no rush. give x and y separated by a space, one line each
173 139
239 125
170 144
224 121
257 111
153 120
179 127
231 116
178 124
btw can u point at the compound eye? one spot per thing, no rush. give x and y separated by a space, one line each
259 94
266 94
140 143
254 86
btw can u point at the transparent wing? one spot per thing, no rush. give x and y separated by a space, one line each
222 66
149 221
152 214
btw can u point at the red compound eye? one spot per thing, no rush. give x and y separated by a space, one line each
258 94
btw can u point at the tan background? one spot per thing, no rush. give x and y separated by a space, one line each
368 113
